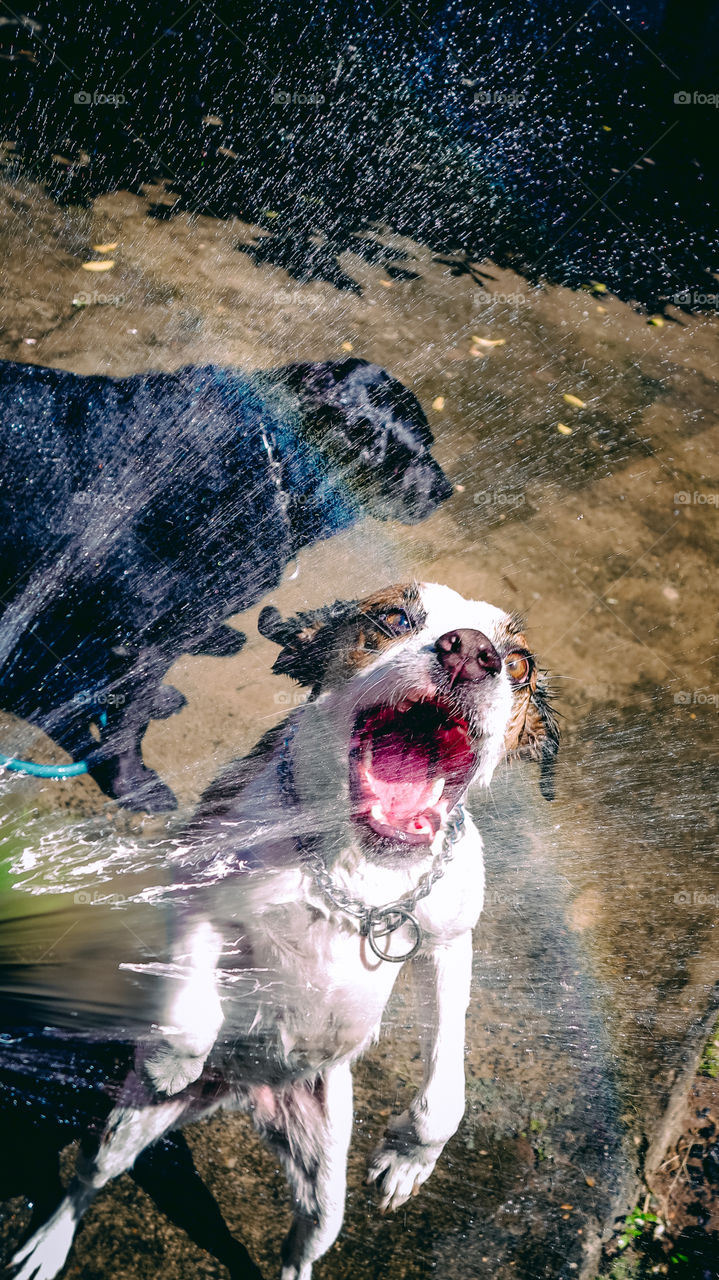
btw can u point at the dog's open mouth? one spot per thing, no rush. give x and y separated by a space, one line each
409 764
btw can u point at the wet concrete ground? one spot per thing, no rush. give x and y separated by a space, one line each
596 955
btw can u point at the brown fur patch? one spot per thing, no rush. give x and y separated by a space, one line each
526 728
510 635
363 639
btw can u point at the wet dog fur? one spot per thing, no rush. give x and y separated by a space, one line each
273 990
137 514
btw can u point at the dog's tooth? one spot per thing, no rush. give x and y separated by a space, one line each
437 790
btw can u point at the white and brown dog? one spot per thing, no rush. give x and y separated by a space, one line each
334 852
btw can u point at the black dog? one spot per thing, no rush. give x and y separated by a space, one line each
137 513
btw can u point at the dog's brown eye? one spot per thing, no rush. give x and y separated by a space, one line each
518 667
396 621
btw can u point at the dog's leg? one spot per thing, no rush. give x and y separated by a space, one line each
116 764
137 1121
195 1015
415 1139
220 642
308 1126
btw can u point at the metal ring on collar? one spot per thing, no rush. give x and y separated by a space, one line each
380 924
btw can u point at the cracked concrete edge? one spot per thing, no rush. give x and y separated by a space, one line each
625 1195
672 1122
636 1181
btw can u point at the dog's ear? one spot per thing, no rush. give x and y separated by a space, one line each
307 640
533 732
316 382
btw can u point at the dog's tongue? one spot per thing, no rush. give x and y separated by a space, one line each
406 795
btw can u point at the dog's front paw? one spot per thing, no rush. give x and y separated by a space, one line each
44 1254
170 1072
223 642
126 779
166 702
401 1163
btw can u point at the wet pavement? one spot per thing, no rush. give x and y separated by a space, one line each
595 959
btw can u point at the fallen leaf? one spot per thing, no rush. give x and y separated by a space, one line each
386 284
563 429
602 311
107 265
438 403
105 248
598 287
589 1181
346 346
566 1206
488 342
573 400
656 320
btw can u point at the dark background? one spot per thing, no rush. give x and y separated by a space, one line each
574 163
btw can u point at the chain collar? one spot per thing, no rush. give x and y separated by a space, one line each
275 465
374 922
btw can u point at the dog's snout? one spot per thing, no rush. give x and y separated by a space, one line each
441 487
466 654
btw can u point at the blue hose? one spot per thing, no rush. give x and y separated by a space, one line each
48 770
43 770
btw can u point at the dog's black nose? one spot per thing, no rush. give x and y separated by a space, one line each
441 489
467 655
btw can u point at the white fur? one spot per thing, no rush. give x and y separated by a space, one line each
311 988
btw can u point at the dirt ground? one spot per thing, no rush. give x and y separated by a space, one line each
598 517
